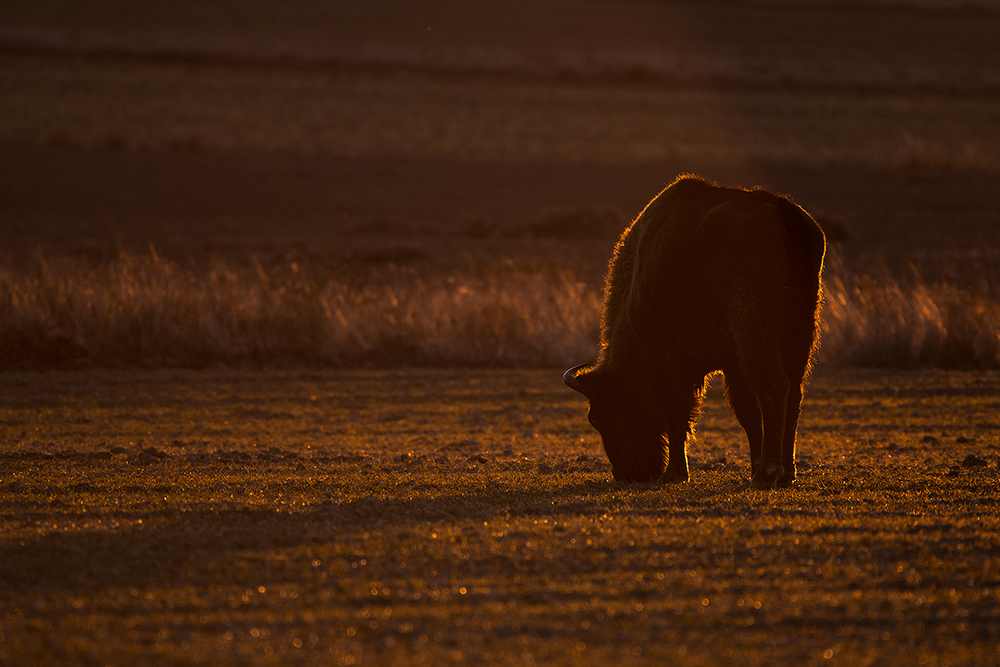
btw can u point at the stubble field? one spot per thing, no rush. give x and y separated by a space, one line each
439 517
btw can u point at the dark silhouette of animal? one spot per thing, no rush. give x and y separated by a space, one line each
706 279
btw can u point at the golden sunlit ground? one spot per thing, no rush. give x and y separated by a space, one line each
438 517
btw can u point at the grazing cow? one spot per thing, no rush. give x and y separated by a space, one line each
706 279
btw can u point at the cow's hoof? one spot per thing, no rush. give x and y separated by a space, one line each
767 477
672 477
784 482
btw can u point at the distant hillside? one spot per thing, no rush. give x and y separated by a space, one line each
946 46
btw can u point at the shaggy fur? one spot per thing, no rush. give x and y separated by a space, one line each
706 279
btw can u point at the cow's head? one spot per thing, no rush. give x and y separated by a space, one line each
633 442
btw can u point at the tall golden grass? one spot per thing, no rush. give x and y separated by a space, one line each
875 319
141 310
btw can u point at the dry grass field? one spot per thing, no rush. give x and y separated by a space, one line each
286 291
453 517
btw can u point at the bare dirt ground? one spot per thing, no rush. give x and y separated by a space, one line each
429 517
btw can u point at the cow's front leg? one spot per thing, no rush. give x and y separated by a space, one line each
677 467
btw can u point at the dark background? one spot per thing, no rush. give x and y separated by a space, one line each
456 132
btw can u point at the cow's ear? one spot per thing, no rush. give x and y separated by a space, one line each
585 378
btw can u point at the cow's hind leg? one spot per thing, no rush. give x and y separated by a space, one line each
745 406
791 424
767 379
773 397
761 363
798 364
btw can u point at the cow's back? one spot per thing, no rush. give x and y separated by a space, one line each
696 253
